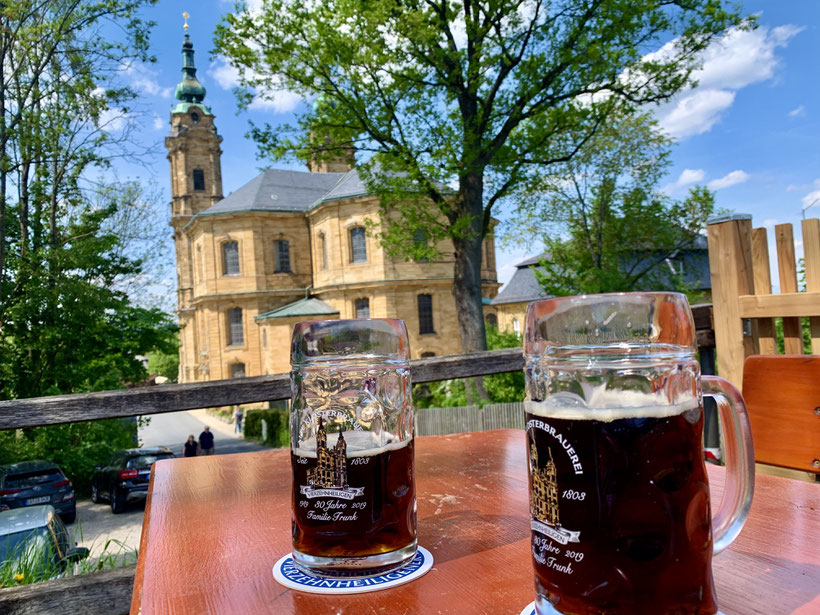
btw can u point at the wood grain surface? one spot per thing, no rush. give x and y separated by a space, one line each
215 526
783 401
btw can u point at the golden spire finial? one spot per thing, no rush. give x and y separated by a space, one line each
185 16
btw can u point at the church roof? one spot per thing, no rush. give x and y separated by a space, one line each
278 190
304 307
348 186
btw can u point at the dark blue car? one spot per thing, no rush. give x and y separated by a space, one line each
125 478
33 483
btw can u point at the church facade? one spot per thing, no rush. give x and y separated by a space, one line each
285 247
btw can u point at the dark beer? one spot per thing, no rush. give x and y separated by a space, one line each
353 504
620 511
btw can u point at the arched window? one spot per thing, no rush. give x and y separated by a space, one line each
426 314
358 245
322 251
492 320
230 258
516 327
281 256
237 370
362 307
236 334
199 179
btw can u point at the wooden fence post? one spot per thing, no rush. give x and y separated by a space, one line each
730 263
811 260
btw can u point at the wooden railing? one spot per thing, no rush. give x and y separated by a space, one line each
744 306
109 592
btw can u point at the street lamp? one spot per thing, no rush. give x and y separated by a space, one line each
810 205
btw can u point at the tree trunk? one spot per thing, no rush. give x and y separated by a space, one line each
467 290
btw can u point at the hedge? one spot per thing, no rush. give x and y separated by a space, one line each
277 420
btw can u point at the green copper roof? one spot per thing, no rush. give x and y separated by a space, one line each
301 308
189 90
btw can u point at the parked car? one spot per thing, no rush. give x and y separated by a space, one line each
125 478
31 483
34 542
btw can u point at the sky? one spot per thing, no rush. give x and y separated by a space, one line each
749 130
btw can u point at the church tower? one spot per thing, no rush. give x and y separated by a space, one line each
196 184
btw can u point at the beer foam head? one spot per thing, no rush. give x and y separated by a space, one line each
359 444
602 404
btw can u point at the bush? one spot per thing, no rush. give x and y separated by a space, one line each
75 447
277 420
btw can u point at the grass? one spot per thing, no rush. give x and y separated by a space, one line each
34 562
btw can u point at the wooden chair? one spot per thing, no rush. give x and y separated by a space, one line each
782 394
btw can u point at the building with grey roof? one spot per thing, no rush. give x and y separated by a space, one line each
287 246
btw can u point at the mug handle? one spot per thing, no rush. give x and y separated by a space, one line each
740 461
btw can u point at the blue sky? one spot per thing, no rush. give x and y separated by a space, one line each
749 131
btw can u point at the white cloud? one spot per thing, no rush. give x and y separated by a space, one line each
736 60
143 79
770 223
689 176
696 113
798 112
735 177
158 122
114 120
276 100
812 199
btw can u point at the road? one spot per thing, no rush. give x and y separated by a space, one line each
114 536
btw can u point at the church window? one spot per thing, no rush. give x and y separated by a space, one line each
236 335
199 179
426 314
230 258
322 251
358 246
362 307
237 370
195 117
281 255
420 241
516 327
492 320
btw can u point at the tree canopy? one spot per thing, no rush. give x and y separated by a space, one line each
66 324
605 224
459 105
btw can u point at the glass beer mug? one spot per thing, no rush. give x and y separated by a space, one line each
351 433
619 496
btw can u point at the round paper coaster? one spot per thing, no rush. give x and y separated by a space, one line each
288 575
530 610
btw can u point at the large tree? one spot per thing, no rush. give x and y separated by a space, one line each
605 223
66 324
461 103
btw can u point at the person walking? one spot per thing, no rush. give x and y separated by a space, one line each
191 447
206 441
238 419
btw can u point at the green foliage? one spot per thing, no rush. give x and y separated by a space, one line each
605 224
500 388
76 447
34 564
459 106
165 363
67 322
277 420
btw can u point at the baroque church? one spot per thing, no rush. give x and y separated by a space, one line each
285 247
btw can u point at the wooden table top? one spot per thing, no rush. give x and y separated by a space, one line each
215 526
